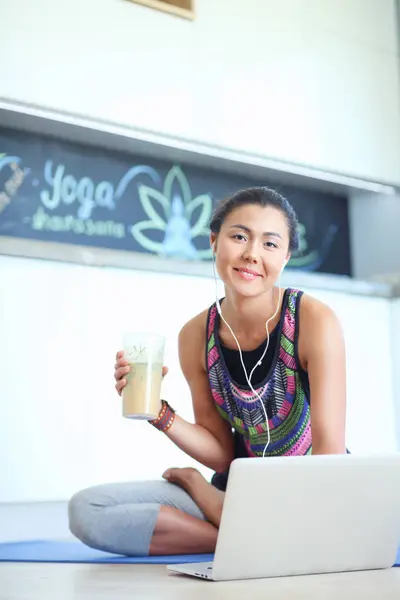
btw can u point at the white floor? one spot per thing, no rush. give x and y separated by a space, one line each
153 582
48 520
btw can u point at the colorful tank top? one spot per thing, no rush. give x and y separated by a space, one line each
284 391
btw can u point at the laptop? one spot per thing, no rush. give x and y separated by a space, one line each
306 515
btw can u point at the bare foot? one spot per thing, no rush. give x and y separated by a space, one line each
207 497
183 477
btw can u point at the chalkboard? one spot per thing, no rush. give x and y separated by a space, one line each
56 191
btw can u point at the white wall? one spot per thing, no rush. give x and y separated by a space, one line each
60 419
313 82
396 362
374 234
34 521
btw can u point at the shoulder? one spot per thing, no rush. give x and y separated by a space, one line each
192 341
319 329
194 328
314 313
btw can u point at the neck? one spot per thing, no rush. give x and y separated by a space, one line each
246 314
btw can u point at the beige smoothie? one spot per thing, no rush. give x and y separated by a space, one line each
145 354
141 395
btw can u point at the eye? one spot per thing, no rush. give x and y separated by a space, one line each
238 236
271 245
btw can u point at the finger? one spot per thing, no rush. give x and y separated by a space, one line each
120 363
164 371
119 355
119 373
119 386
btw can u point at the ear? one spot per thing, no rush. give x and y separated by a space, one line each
213 241
286 262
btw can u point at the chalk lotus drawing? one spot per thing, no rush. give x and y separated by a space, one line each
170 211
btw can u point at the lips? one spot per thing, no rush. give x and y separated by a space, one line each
248 274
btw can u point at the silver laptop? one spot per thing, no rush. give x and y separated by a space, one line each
306 515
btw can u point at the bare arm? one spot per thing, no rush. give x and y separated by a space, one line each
322 353
209 440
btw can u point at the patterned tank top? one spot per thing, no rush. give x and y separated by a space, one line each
284 391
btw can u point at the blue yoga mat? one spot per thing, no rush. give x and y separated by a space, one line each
76 552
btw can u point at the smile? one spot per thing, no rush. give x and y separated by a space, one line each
247 274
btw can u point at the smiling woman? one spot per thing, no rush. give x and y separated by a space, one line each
180 8
266 371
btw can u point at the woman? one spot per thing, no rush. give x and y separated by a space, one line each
261 351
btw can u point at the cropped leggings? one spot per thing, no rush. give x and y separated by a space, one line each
121 517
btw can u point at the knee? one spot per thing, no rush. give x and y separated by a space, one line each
80 518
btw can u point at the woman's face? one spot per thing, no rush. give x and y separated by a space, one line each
252 248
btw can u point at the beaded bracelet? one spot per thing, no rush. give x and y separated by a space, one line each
165 417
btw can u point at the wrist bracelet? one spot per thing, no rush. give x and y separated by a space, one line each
165 417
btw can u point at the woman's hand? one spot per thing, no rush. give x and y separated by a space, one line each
121 370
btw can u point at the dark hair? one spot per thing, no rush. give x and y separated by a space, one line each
263 196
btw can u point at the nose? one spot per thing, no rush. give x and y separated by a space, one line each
250 256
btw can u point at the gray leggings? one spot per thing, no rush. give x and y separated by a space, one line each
121 517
